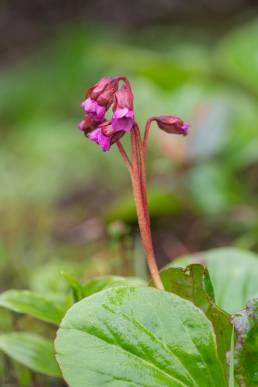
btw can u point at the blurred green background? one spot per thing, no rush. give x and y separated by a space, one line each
65 205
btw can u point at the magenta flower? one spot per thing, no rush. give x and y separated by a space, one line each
172 124
105 135
99 138
123 115
93 109
123 119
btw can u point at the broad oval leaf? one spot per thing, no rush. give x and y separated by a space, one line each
127 336
25 301
33 351
233 272
193 283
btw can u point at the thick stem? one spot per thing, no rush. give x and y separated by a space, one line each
140 198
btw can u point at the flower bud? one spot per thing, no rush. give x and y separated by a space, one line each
95 90
88 124
123 115
106 98
172 124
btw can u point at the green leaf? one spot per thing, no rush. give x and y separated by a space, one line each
213 189
233 272
193 283
33 351
246 349
97 284
129 336
76 286
27 302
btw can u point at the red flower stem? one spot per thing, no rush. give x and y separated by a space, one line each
142 171
146 134
125 157
141 205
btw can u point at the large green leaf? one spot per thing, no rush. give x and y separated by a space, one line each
193 283
24 301
33 351
127 336
246 350
233 273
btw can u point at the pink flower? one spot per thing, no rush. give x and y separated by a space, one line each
93 109
99 138
172 124
105 135
123 115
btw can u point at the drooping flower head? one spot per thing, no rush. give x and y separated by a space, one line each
123 114
172 124
106 93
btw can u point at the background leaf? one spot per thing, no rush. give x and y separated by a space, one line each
27 302
233 272
232 53
33 351
156 338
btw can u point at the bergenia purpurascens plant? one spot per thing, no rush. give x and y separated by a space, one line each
109 92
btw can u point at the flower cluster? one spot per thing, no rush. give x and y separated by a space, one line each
108 93
99 99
